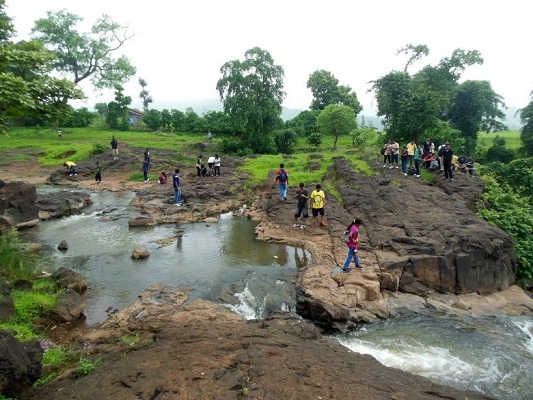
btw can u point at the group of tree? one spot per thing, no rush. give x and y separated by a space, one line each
39 77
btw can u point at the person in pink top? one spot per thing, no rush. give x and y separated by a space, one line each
353 245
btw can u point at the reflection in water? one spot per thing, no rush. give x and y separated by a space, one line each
207 259
301 261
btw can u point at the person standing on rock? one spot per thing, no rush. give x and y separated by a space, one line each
114 148
394 151
353 245
318 199
177 187
146 164
199 166
217 165
282 179
302 194
386 154
447 156
99 171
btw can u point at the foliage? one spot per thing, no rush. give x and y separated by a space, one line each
336 120
518 174
153 119
285 141
315 139
499 152
305 122
514 216
145 95
252 93
32 304
15 261
418 106
98 148
476 107
363 136
526 134
117 110
85 367
55 360
326 91
86 54
27 86
79 118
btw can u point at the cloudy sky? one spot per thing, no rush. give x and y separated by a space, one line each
179 46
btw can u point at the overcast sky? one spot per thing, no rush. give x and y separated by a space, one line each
179 46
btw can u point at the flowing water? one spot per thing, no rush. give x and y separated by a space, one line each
490 355
208 259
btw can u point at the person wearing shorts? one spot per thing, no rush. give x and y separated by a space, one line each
318 203
301 209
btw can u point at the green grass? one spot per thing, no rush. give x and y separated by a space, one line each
15 261
512 139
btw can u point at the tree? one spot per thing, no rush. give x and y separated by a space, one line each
117 110
305 122
412 106
145 95
252 92
526 133
86 55
152 119
498 152
476 107
326 90
336 120
27 87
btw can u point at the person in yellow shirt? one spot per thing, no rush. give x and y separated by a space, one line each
411 147
318 203
71 168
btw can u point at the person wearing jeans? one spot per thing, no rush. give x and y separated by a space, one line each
177 187
282 178
353 245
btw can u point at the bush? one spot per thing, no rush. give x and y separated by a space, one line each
511 213
98 148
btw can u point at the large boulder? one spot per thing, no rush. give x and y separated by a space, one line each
17 204
427 237
62 203
20 364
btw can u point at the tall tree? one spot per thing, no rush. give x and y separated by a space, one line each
117 110
27 86
526 133
326 90
476 107
86 55
336 120
413 106
252 93
145 95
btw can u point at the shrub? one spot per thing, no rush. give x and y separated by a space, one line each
16 262
98 148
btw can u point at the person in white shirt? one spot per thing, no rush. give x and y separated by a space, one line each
217 165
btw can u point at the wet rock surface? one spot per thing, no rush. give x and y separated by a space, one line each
416 259
198 350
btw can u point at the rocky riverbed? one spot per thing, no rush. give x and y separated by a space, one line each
422 249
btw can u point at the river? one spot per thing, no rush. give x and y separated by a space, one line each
491 355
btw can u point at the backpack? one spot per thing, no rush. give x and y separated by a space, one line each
382 151
411 171
345 237
282 177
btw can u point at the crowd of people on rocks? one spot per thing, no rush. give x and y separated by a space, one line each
414 155
213 169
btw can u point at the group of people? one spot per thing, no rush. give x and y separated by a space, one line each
213 163
317 200
413 154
